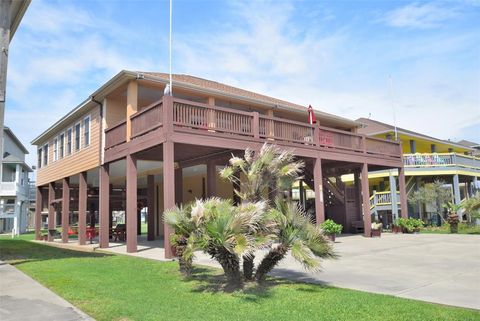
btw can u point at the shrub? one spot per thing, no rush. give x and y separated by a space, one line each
329 227
409 225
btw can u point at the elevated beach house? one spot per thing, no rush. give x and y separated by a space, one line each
129 151
425 159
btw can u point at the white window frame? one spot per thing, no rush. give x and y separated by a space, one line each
61 146
69 151
45 154
40 157
85 143
55 149
79 137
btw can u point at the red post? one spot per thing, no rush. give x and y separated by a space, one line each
403 192
82 208
367 218
256 125
151 207
51 210
211 178
131 168
318 182
167 114
178 186
104 205
168 190
38 213
65 209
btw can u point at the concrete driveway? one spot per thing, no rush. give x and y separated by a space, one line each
429 267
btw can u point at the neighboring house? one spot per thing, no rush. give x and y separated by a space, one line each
11 14
129 147
14 186
426 159
475 146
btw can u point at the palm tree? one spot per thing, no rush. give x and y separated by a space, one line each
179 218
298 234
227 232
266 173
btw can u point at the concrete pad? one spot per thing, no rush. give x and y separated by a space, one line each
24 299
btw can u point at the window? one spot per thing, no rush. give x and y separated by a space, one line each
55 149
69 141
77 136
40 157
45 155
86 131
61 151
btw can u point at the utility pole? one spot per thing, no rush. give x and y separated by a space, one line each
5 6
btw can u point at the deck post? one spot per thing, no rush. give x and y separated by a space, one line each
211 178
131 169
51 210
456 193
38 212
132 105
367 219
393 194
256 125
65 208
403 192
151 207
104 207
178 186
318 183
82 208
168 190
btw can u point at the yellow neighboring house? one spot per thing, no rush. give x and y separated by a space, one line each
426 159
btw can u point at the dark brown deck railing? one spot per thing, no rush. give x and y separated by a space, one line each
201 116
116 134
382 146
190 115
286 130
147 119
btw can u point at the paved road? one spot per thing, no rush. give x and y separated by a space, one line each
24 299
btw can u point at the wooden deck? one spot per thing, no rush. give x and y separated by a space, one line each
205 125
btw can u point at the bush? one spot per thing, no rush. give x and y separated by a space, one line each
409 225
329 227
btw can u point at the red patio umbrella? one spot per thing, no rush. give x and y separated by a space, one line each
311 115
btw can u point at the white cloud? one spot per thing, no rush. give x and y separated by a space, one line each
420 15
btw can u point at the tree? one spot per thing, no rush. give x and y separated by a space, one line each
472 207
265 175
432 193
298 234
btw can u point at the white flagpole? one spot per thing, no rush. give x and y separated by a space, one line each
170 51
393 107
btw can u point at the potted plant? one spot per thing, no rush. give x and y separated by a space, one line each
376 230
396 228
330 229
453 218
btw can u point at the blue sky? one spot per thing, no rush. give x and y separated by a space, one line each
335 55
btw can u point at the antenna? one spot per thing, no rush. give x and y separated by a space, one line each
393 107
170 52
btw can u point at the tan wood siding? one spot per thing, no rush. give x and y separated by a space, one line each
84 159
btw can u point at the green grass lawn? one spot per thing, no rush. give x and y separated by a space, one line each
116 287
445 229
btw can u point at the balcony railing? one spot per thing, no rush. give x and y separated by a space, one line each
12 189
116 135
187 115
382 198
441 160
